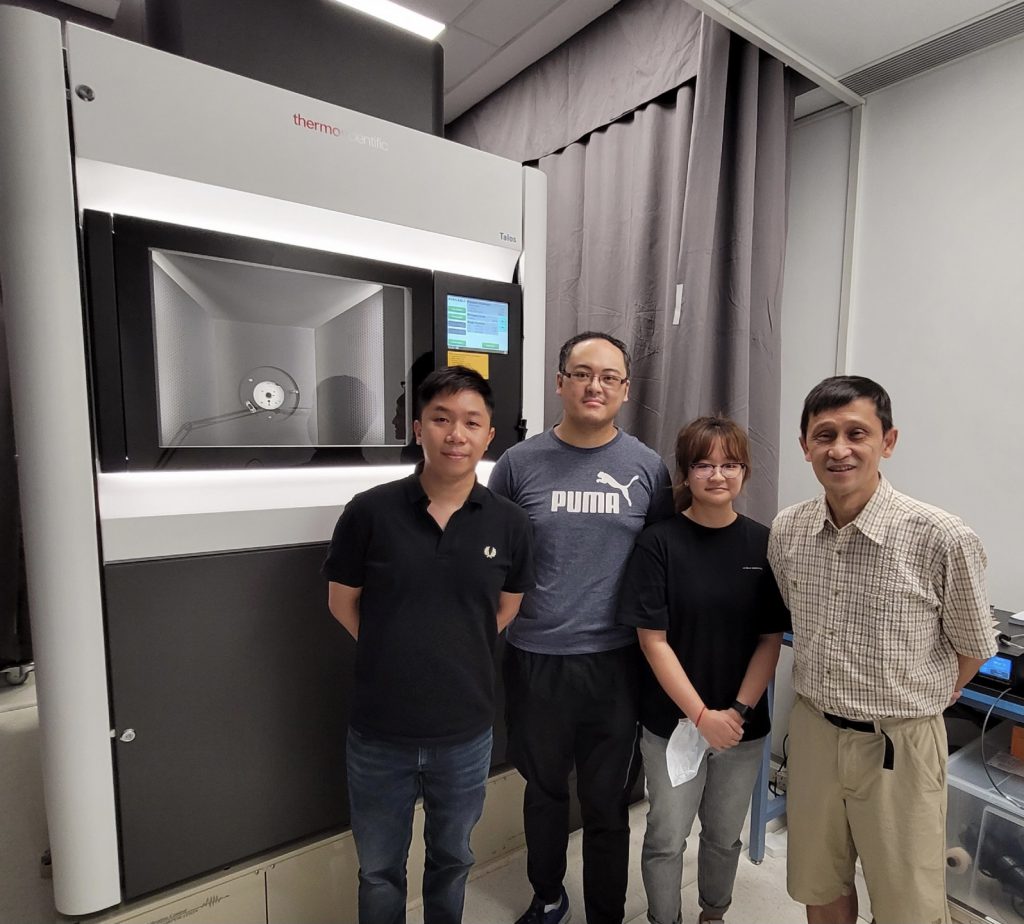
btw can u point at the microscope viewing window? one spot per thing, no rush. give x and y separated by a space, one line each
219 351
251 355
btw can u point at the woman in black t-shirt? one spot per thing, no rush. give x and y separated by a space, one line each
710 621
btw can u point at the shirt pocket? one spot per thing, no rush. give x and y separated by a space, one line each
903 620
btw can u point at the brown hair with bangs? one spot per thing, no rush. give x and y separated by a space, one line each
695 442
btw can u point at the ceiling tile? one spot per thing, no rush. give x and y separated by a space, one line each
841 36
463 54
499 21
445 11
564 21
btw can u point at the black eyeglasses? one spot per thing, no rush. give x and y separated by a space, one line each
582 377
704 470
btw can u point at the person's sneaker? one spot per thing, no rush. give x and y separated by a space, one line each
536 914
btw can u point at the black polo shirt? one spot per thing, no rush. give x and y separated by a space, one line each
714 594
425 656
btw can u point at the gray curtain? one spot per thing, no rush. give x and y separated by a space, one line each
666 225
632 54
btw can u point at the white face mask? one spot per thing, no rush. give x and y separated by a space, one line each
685 751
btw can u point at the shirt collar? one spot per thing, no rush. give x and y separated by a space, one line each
415 494
413 489
871 521
479 494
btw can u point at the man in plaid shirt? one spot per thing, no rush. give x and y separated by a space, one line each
890 620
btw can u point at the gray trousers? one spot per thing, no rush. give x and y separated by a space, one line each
720 795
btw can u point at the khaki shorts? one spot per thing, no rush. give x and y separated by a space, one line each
841 804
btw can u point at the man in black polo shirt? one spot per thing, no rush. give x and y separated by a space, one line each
424 573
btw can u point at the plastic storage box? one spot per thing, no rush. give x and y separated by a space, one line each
985 832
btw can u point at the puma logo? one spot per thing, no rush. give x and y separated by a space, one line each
605 478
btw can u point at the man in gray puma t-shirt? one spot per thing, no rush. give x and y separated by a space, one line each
571 673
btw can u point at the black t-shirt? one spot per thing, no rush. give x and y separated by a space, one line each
425 657
714 594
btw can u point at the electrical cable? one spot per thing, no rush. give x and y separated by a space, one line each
773 788
984 762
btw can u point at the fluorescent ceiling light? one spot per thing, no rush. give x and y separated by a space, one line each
398 16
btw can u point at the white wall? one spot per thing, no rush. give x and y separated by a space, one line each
937 305
812 282
810 315
937 298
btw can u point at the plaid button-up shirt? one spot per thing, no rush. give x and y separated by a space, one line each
882 606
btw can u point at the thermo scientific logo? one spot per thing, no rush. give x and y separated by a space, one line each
333 131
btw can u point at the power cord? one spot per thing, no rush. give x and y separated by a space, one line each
984 761
773 786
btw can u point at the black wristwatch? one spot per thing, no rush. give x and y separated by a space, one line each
745 712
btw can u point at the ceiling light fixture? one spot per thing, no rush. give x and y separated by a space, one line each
398 16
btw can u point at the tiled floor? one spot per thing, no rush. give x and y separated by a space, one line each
499 893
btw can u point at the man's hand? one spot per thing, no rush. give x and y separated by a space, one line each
721 728
953 698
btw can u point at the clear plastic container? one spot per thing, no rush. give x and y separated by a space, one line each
985 832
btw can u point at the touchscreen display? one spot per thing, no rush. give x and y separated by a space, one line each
477 324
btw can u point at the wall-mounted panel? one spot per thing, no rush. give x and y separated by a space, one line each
194 122
230 685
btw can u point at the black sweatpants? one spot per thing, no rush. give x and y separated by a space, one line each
582 709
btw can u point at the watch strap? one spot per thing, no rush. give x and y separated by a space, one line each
744 711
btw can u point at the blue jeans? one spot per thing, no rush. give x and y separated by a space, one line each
384 782
720 794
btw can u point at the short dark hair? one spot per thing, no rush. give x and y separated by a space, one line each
695 442
838 391
450 380
563 354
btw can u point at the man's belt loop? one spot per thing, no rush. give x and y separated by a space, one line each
889 759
